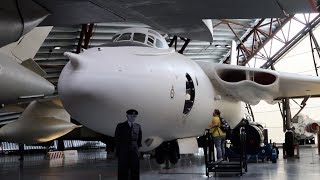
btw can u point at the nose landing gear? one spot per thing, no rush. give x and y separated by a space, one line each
167 152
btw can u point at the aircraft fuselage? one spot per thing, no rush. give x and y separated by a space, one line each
100 84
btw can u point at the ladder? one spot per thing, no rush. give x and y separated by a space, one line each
239 166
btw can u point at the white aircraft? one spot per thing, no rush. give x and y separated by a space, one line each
174 95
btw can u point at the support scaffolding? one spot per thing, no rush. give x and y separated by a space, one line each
174 41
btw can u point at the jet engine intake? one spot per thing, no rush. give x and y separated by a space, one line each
233 75
312 128
248 85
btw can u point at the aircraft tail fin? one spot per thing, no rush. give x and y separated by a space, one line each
40 122
33 66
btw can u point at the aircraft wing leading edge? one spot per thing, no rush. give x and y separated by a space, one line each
251 85
179 17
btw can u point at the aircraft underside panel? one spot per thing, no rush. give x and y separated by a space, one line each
173 17
18 18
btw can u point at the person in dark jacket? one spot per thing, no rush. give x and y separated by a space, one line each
128 136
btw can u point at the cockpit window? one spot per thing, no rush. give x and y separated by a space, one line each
115 37
150 40
159 44
139 37
125 37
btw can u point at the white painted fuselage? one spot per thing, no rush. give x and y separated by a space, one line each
99 85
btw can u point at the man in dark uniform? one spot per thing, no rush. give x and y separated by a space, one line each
128 140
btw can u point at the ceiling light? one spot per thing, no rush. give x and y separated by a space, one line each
227 46
217 45
57 47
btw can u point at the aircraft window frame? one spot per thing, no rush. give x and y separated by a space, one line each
115 37
149 42
139 34
123 35
159 43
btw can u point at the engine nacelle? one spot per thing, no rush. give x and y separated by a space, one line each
312 128
263 83
254 139
18 18
241 83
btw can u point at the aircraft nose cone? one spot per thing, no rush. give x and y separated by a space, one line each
44 87
19 82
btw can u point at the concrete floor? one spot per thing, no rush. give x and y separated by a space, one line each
93 165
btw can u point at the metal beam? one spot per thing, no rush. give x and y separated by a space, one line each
269 36
288 45
174 41
313 38
85 35
186 42
250 112
302 106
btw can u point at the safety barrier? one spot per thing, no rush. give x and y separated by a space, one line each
71 154
6 147
55 155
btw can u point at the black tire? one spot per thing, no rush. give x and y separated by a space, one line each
174 158
201 141
289 143
174 152
159 155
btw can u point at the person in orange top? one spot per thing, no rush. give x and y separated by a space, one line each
219 136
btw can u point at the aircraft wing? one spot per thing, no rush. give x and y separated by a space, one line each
180 17
251 85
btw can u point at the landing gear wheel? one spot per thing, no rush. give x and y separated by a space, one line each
289 143
174 158
159 155
167 151
174 153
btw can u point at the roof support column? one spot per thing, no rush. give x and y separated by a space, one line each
312 38
175 41
86 33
